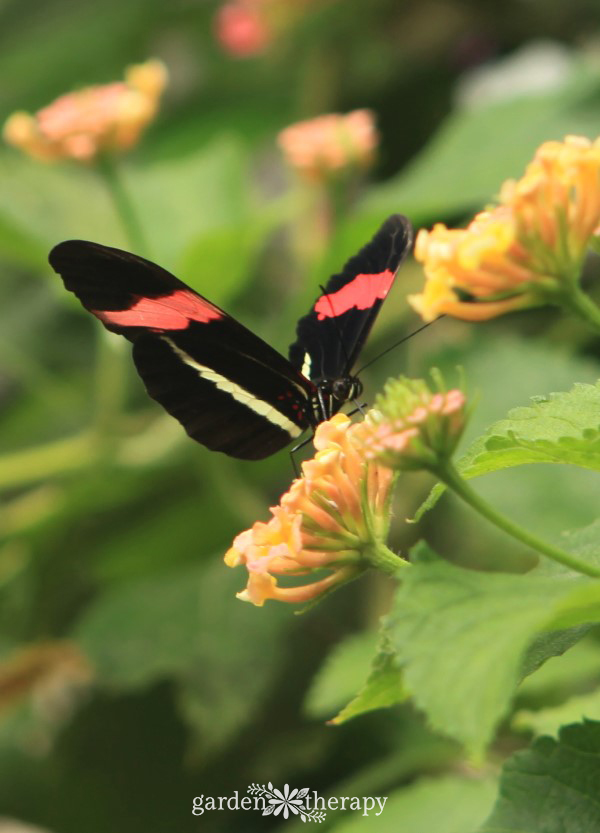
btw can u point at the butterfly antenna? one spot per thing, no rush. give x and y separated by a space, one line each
397 344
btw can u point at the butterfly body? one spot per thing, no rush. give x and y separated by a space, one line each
231 390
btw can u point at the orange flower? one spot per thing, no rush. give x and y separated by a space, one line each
330 144
83 124
526 251
412 427
329 520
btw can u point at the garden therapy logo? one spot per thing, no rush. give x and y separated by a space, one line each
270 801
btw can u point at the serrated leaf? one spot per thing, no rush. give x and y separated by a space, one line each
462 636
383 689
562 428
553 786
559 677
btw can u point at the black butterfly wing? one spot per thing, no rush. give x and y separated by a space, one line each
230 390
330 337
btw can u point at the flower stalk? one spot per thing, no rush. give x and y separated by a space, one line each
449 475
108 170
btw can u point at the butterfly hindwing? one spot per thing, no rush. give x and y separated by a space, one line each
230 390
330 337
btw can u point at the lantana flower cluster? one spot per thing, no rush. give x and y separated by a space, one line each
328 520
336 516
524 252
331 144
412 427
82 125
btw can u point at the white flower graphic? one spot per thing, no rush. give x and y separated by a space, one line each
286 803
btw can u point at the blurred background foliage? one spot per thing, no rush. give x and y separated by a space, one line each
113 523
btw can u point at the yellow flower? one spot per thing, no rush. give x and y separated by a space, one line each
83 124
327 520
526 251
412 427
330 144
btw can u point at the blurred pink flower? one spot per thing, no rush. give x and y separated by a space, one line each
330 144
83 124
242 28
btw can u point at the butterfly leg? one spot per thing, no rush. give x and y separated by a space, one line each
359 408
296 448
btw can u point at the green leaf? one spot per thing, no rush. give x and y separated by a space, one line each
462 636
220 259
549 721
183 199
18 245
561 428
383 689
342 674
443 805
465 163
189 626
551 787
560 676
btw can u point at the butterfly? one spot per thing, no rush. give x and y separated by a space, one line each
229 389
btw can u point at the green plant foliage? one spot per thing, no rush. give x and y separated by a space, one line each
461 637
439 183
446 805
383 688
549 721
417 686
552 786
564 428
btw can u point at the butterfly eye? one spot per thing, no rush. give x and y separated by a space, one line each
342 389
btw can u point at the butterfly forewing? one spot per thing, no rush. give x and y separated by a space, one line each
330 337
230 390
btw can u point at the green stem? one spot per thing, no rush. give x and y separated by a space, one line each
450 476
124 207
583 306
110 382
382 558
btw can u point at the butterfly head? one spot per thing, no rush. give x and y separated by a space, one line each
332 393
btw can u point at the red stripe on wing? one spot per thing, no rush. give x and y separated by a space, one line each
167 312
361 293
